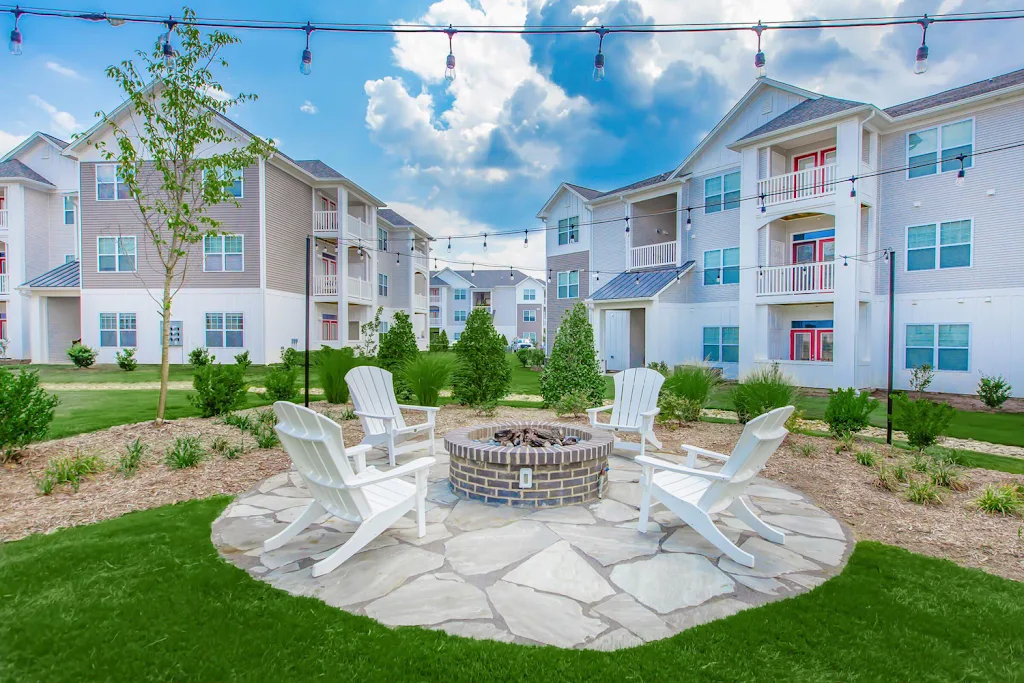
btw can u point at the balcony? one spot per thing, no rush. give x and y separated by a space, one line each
819 181
360 289
420 261
435 299
325 224
435 321
803 278
419 300
653 255
325 285
5 283
3 219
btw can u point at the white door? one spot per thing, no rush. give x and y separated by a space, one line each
616 340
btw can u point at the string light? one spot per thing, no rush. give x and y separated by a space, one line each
549 275
306 63
637 280
921 60
449 64
168 49
472 271
853 186
599 57
689 223
526 239
511 273
627 225
485 241
15 44
449 245
759 60
845 262
763 206
961 174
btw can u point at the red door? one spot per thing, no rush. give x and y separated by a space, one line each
804 186
811 345
805 275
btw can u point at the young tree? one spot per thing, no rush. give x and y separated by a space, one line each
483 374
398 347
175 156
368 335
573 363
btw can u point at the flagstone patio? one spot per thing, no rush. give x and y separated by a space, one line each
574 577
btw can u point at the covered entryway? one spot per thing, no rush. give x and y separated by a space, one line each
55 314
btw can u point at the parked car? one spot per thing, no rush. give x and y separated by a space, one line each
522 344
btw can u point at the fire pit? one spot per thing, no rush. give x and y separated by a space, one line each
528 464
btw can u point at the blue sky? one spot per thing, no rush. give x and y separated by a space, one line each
485 152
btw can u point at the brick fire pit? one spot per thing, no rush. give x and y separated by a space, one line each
484 470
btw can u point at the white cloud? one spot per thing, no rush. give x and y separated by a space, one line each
309 108
218 94
9 141
63 121
63 70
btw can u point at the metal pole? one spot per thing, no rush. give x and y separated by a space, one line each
892 315
306 364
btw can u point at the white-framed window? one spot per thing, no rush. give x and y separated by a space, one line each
722 192
946 245
382 240
236 188
722 266
225 330
117 330
944 346
460 315
529 315
461 294
927 148
69 210
384 326
529 295
722 344
382 284
457 336
569 231
223 254
116 254
569 284
109 185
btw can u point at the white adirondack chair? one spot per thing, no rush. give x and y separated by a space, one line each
695 494
373 395
375 500
636 404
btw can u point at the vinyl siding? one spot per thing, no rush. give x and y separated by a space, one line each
289 216
720 230
63 326
567 205
558 307
524 327
503 301
62 237
37 233
609 240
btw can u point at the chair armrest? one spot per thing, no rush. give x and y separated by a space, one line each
703 451
651 413
591 411
419 464
359 452
425 409
657 463
377 417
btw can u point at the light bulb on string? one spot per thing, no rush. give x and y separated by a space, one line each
764 207
961 175
853 186
599 57
921 59
485 241
511 273
472 270
449 63
549 275
526 239
15 43
689 224
449 245
845 262
306 63
627 225
168 49
759 59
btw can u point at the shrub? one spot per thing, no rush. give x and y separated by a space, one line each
233 452
923 493
993 391
574 404
369 335
200 357
264 434
672 408
292 358
334 364
482 372
921 420
694 384
886 478
68 470
439 342
947 475
280 383
26 411
921 377
346 414
950 455
1004 499
537 358
848 411
218 444
919 463
131 459
900 471
185 452
398 347
426 375
660 366
764 389
573 363
866 458
806 450
845 443
525 357
239 420
486 408
243 361
81 355
126 359
219 389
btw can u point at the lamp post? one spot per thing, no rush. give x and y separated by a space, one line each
891 254
306 363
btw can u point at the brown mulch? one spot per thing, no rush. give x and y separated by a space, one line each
841 486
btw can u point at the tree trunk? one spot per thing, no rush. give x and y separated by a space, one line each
165 342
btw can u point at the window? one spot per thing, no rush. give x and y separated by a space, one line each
460 316
461 294
118 330
722 266
382 240
532 336
568 230
109 185
69 258
69 211
953 347
529 295
722 344
569 284
530 315
384 326
722 192
457 336
223 254
954 245
115 254
229 174
224 330
382 284
952 139
175 335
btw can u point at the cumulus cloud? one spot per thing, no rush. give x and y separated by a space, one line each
63 121
63 70
308 108
218 94
9 141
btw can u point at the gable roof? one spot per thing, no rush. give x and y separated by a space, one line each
396 219
64 275
956 94
317 169
645 284
808 110
435 281
55 141
584 192
452 273
13 168
489 279
640 184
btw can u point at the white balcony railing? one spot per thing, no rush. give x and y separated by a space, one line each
653 255
419 300
359 289
325 285
5 283
359 229
3 219
791 187
803 278
435 299
325 223
435 321
420 260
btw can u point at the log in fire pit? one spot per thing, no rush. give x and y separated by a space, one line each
528 464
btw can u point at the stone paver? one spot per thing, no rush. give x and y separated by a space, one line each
629 613
670 582
429 600
375 573
608 545
769 560
613 511
488 550
560 569
686 540
470 515
616 640
824 527
544 618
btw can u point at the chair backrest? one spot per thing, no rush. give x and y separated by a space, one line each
760 438
636 392
373 391
317 449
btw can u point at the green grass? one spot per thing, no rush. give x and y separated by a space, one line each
146 597
102 374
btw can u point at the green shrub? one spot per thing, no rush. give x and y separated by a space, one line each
486 408
920 463
243 361
921 377
439 342
70 470
660 366
574 404
765 388
200 357
694 384
26 411
233 452
672 408
218 444
126 359
950 455
845 443
887 479
219 389
573 364
346 414
921 420
901 471
1004 499
482 373
131 459
426 374
280 383
185 452
264 434
848 411
81 355
866 458
923 493
993 391
239 420
398 347
537 358
945 474
292 359
525 357
334 364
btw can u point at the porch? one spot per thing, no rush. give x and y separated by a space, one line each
797 256
419 293
653 233
326 278
331 329
327 218
5 279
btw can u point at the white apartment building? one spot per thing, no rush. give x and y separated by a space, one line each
516 300
767 243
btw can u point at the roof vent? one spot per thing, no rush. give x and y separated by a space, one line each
766 105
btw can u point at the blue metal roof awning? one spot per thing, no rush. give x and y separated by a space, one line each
65 275
644 284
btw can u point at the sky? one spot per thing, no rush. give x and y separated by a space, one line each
483 153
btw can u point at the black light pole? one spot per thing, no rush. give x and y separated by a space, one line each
892 314
306 380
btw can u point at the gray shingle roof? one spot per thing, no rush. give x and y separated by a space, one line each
653 180
585 192
808 110
489 279
55 140
394 218
13 168
956 94
64 275
435 281
319 169
640 285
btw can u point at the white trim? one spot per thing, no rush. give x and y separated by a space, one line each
568 285
223 329
721 267
938 126
118 252
117 181
936 347
223 253
937 246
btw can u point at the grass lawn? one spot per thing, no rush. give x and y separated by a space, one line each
145 597
102 374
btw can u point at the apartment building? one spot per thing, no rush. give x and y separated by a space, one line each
515 299
767 243
242 290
